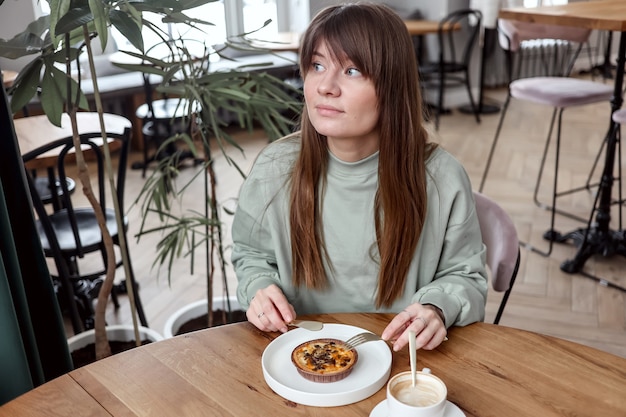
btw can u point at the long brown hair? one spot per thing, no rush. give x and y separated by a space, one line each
376 40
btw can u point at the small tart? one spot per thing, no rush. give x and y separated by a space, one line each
324 360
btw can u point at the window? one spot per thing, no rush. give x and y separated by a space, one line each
535 3
229 18
256 12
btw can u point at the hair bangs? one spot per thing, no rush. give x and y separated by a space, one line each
347 38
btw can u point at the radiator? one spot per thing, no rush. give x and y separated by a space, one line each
546 57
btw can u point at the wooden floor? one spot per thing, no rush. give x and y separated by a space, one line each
545 299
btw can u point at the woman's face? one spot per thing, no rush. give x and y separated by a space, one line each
342 105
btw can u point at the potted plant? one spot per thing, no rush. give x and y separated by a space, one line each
250 96
52 39
258 98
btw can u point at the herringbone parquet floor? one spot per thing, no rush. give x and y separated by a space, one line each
545 299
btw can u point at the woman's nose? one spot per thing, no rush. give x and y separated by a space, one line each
328 85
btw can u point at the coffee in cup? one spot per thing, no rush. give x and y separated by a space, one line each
426 399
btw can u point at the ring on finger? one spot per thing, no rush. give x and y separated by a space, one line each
261 314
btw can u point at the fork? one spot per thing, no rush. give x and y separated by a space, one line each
361 338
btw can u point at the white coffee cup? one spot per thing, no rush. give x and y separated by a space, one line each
426 399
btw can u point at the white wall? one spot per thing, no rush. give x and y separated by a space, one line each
298 14
431 10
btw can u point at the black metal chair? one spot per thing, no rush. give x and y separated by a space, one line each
49 188
455 54
70 233
161 119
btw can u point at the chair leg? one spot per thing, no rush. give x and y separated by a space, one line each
552 235
146 160
440 99
116 302
620 200
543 162
493 143
505 298
72 305
471 97
507 293
588 183
587 186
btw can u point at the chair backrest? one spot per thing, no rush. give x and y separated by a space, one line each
512 35
458 45
503 248
94 152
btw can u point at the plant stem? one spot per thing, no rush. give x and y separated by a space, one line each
105 292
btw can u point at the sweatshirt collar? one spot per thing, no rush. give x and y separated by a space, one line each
365 166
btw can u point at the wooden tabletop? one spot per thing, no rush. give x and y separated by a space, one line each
489 370
36 131
424 27
281 41
599 14
8 77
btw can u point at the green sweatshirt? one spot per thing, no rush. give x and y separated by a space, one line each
448 269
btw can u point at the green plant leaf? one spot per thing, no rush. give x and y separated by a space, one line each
61 55
100 20
26 84
156 6
73 19
21 45
180 17
128 27
51 99
30 41
58 8
132 12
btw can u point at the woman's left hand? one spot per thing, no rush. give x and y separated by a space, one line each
425 320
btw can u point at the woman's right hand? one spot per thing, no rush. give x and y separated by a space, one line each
270 311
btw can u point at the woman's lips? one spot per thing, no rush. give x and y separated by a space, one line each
327 110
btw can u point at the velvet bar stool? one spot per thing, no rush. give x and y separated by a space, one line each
558 91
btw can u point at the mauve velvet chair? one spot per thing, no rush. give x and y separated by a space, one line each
559 91
503 247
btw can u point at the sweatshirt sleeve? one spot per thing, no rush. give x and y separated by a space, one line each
259 226
459 285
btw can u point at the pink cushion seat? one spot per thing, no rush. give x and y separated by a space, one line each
560 91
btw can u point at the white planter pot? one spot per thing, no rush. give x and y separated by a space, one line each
121 332
193 310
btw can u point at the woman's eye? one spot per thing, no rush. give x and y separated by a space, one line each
353 72
317 66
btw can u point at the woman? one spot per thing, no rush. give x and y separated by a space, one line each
357 212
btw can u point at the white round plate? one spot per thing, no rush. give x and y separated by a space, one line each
452 410
370 372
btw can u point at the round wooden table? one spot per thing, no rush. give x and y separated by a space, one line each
425 27
489 370
36 131
8 77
